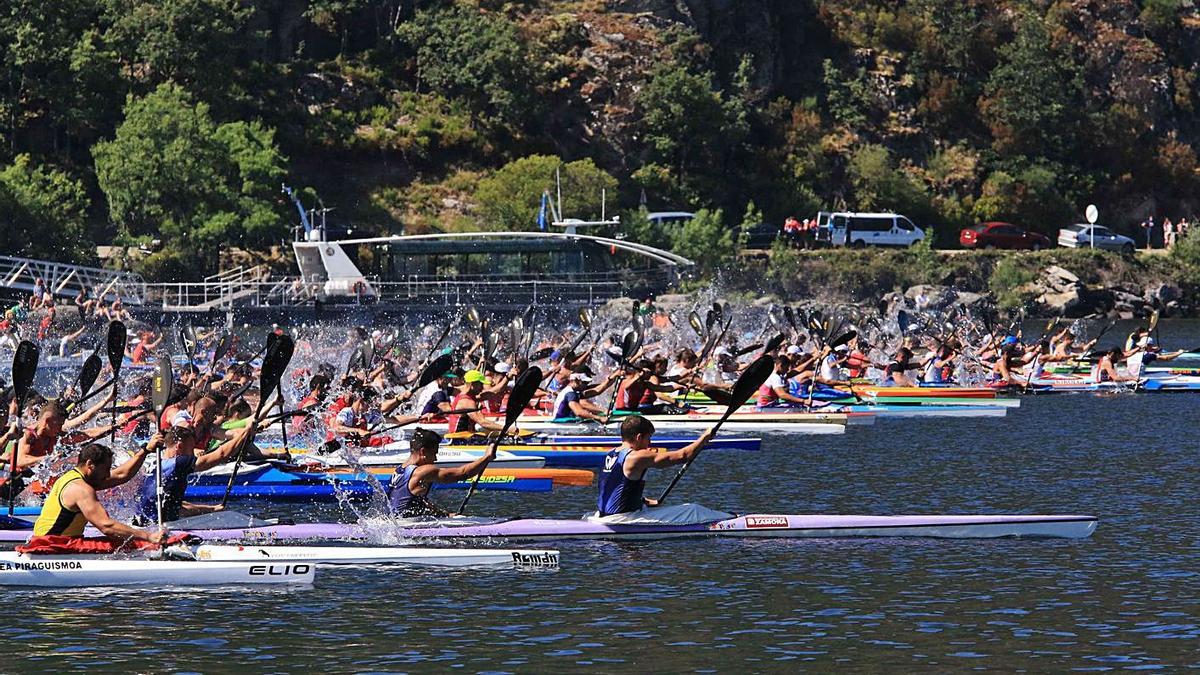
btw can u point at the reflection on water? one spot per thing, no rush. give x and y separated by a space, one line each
1129 597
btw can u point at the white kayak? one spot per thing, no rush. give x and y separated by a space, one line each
682 423
72 571
363 555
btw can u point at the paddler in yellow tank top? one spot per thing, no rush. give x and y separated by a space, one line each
72 503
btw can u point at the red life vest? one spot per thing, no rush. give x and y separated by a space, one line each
459 422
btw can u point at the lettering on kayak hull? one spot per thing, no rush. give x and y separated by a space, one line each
535 560
766 521
299 570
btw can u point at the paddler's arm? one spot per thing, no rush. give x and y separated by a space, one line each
601 388
650 459
188 509
433 473
224 451
403 420
25 456
395 401
87 415
85 500
122 474
480 418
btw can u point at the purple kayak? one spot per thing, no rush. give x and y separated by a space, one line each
677 521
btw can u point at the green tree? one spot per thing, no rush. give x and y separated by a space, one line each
879 184
637 227
1034 98
55 75
689 131
172 170
475 56
706 241
43 213
200 44
509 199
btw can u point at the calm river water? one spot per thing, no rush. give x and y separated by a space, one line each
1127 598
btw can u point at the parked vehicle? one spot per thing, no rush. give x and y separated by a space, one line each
859 230
1082 235
1002 235
761 235
660 218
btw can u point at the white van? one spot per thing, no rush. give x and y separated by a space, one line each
858 230
660 218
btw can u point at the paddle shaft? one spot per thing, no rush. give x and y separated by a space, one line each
683 469
237 463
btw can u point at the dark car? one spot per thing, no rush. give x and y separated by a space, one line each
1002 235
761 236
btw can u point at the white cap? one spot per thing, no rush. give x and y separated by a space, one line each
582 377
503 367
615 352
721 351
793 349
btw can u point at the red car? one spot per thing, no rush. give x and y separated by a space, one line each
1002 235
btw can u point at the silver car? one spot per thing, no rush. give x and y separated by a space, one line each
1081 236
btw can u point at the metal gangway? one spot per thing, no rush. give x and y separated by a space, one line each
66 280
231 288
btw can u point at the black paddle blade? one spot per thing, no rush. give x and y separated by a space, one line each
790 315
368 353
117 336
279 354
435 369
585 318
222 347
87 376
523 392
162 384
24 368
751 379
902 321
541 353
775 343
628 345
694 320
473 315
842 339
710 320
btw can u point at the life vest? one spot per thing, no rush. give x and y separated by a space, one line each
56 518
618 492
175 472
459 422
401 499
631 396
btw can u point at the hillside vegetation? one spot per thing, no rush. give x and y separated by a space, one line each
132 120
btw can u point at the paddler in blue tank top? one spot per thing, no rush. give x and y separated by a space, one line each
623 479
408 490
179 460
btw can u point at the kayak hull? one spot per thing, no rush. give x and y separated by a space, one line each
362 555
67 571
780 526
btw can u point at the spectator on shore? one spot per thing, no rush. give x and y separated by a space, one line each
1168 233
791 230
1148 226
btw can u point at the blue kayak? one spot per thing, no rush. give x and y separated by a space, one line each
277 484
